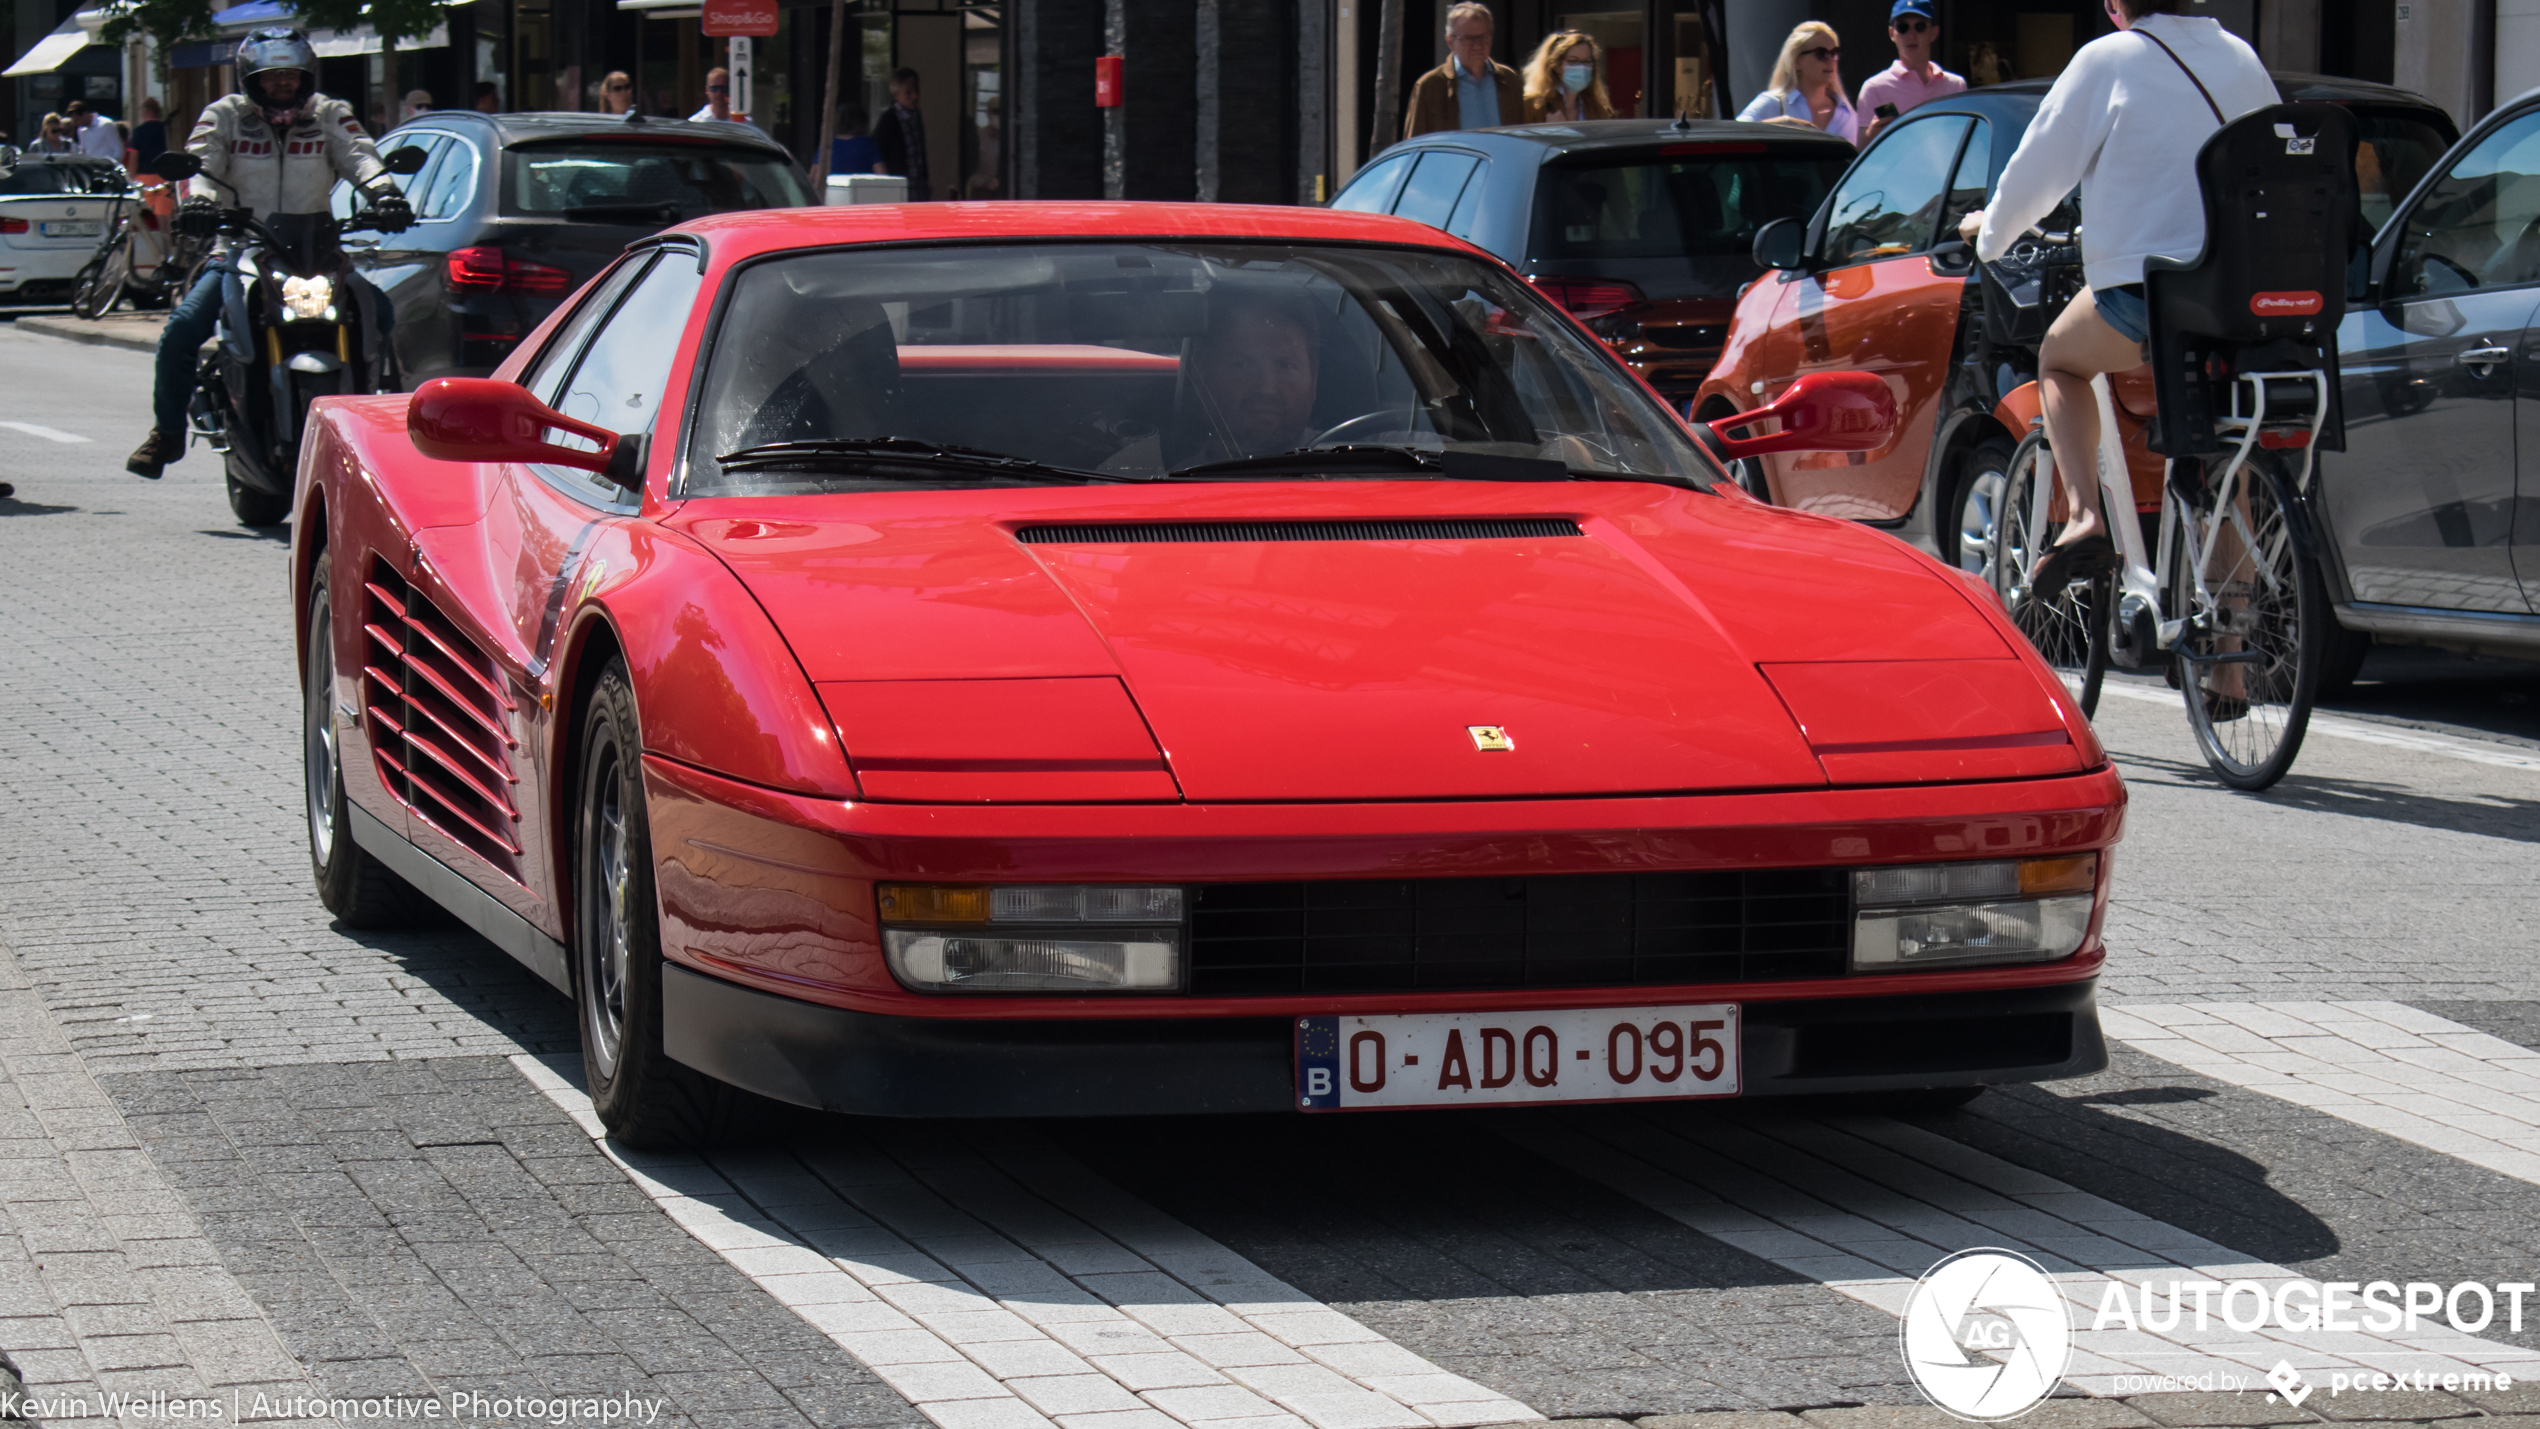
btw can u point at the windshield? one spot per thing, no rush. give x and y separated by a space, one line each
1644 207
1136 360
605 180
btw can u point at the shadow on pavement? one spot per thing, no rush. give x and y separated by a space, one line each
2490 815
12 506
280 533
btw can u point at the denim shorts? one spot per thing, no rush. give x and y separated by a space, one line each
2123 308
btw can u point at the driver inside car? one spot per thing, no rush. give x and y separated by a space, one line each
275 147
1253 380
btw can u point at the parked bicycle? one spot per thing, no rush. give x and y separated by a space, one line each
2223 588
142 257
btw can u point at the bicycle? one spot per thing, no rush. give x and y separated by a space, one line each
137 238
2226 590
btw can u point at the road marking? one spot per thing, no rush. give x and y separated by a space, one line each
997 1283
1865 1205
2385 1065
50 434
2502 756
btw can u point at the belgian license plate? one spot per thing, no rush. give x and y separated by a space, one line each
72 227
1445 1059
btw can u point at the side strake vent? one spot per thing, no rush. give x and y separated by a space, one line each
1490 528
438 720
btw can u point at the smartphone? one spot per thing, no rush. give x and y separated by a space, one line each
1885 111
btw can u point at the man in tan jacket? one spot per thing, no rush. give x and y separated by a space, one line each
1471 90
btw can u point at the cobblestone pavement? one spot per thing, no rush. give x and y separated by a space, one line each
243 1148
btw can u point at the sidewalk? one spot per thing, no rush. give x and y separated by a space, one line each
139 331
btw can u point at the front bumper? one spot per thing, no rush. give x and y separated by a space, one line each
873 1064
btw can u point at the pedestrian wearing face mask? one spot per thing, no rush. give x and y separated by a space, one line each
1565 80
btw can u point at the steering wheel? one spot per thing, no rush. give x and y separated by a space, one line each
1340 433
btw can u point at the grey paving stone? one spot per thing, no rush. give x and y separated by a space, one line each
2226 1411
1748 1419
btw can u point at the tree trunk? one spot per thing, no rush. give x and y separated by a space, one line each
1388 76
829 109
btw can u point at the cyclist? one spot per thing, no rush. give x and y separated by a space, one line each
278 146
2124 121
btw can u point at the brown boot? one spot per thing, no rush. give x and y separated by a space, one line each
154 453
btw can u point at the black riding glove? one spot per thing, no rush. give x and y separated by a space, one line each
391 212
197 217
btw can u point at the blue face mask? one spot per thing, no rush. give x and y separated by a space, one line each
1576 78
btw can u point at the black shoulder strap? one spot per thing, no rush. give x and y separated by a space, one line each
2191 74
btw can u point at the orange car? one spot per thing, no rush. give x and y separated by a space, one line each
1876 282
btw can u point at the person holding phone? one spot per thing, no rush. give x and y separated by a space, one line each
1915 78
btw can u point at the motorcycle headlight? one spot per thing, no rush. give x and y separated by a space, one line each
307 299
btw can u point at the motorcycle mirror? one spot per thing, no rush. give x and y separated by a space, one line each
480 419
1822 412
176 164
408 160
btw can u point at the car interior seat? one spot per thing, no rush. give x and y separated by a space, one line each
2269 289
831 370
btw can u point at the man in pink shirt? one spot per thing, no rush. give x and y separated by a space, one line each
1915 78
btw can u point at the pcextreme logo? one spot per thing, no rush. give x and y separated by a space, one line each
1986 1335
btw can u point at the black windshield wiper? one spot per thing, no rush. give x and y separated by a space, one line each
1452 465
897 451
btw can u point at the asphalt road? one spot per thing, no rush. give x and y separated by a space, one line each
245 1152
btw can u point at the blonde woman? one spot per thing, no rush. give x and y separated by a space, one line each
1565 81
1807 85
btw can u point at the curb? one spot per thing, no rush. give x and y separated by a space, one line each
138 335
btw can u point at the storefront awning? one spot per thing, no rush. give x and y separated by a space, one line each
68 38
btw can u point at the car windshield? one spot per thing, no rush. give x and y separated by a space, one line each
604 180
1660 207
1140 360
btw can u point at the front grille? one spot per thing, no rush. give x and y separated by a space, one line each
1191 532
438 720
1583 930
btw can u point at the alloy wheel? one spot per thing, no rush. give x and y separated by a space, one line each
607 955
319 753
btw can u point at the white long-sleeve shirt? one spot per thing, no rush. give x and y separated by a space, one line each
2122 122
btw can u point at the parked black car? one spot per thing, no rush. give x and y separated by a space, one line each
1643 228
513 212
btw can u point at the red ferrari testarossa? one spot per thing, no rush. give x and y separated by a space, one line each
1037 659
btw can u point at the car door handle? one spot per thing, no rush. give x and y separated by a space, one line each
2477 357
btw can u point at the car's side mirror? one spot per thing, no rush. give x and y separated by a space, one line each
176 165
1822 412
1782 244
407 160
480 419
1954 256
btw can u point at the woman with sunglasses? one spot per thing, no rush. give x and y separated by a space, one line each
1807 85
1564 83
1915 78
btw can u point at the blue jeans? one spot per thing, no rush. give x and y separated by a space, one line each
190 325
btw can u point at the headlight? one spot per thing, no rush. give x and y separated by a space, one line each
307 299
1033 938
1965 914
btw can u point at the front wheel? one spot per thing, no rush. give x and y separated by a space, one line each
356 888
252 506
2253 648
642 1097
100 284
2069 626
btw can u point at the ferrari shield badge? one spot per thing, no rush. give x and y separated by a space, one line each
1491 739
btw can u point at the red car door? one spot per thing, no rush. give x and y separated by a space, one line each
1873 301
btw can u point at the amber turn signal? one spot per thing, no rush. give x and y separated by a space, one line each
933 903
2078 873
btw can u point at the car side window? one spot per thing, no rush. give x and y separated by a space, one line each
1889 204
565 344
1468 209
1372 191
343 198
1973 181
618 382
2479 225
1435 186
450 185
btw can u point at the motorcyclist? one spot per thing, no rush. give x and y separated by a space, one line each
279 146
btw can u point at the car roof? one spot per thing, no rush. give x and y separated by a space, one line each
733 237
2292 84
1593 134
506 129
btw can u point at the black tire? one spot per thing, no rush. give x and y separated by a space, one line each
2069 627
358 889
100 284
2250 715
642 1097
251 506
1970 514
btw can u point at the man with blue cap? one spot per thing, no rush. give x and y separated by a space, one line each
1915 78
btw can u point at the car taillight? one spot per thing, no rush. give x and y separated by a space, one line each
1589 297
13 225
490 270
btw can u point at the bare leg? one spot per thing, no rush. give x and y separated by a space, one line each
2078 347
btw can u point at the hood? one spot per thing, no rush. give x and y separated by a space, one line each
1352 641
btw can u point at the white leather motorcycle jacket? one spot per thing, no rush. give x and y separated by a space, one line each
290 170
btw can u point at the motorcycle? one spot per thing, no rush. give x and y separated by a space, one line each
294 326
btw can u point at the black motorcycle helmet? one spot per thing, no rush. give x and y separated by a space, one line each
267 55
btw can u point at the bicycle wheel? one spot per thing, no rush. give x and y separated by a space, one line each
2250 657
2069 626
100 284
